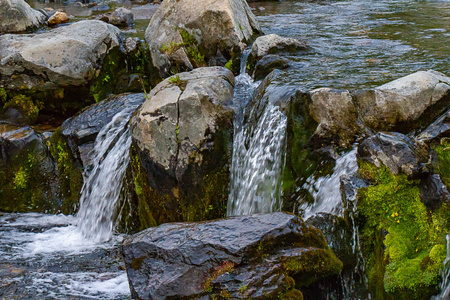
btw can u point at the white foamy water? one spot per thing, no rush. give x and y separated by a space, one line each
258 153
445 284
256 169
326 190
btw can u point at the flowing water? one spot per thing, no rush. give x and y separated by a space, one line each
101 189
445 284
258 153
356 44
326 190
57 256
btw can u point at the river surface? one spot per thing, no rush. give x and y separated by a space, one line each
355 44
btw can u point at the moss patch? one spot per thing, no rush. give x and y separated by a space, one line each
191 46
26 180
403 242
70 172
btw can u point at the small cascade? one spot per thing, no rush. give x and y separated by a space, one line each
445 284
325 190
258 154
101 189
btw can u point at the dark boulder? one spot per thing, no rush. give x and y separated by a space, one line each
396 151
257 257
439 128
82 129
267 64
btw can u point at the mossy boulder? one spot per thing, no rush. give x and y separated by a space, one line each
63 69
266 256
33 175
182 137
402 239
206 33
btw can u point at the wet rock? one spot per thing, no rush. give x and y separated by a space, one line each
82 129
397 152
336 115
439 128
242 257
59 64
28 172
122 17
273 44
267 64
433 191
406 103
182 135
17 16
338 235
206 31
57 18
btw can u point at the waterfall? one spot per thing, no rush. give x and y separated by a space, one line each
101 188
258 154
445 284
325 190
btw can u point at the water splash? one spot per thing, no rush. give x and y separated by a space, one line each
258 154
445 284
325 190
101 189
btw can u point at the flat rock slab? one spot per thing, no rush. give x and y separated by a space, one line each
259 252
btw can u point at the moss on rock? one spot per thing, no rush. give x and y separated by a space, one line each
70 172
403 242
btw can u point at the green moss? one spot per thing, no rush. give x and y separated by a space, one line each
171 48
3 97
229 65
414 237
25 181
192 51
443 160
312 265
25 104
70 172
112 69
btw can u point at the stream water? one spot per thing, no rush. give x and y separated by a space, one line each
356 44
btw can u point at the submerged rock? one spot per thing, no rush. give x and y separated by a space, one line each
247 257
58 67
267 64
182 139
18 16
183 35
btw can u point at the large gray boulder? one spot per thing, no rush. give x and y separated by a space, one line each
66 56
400 104
18 16
182 135
183 35
246 257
